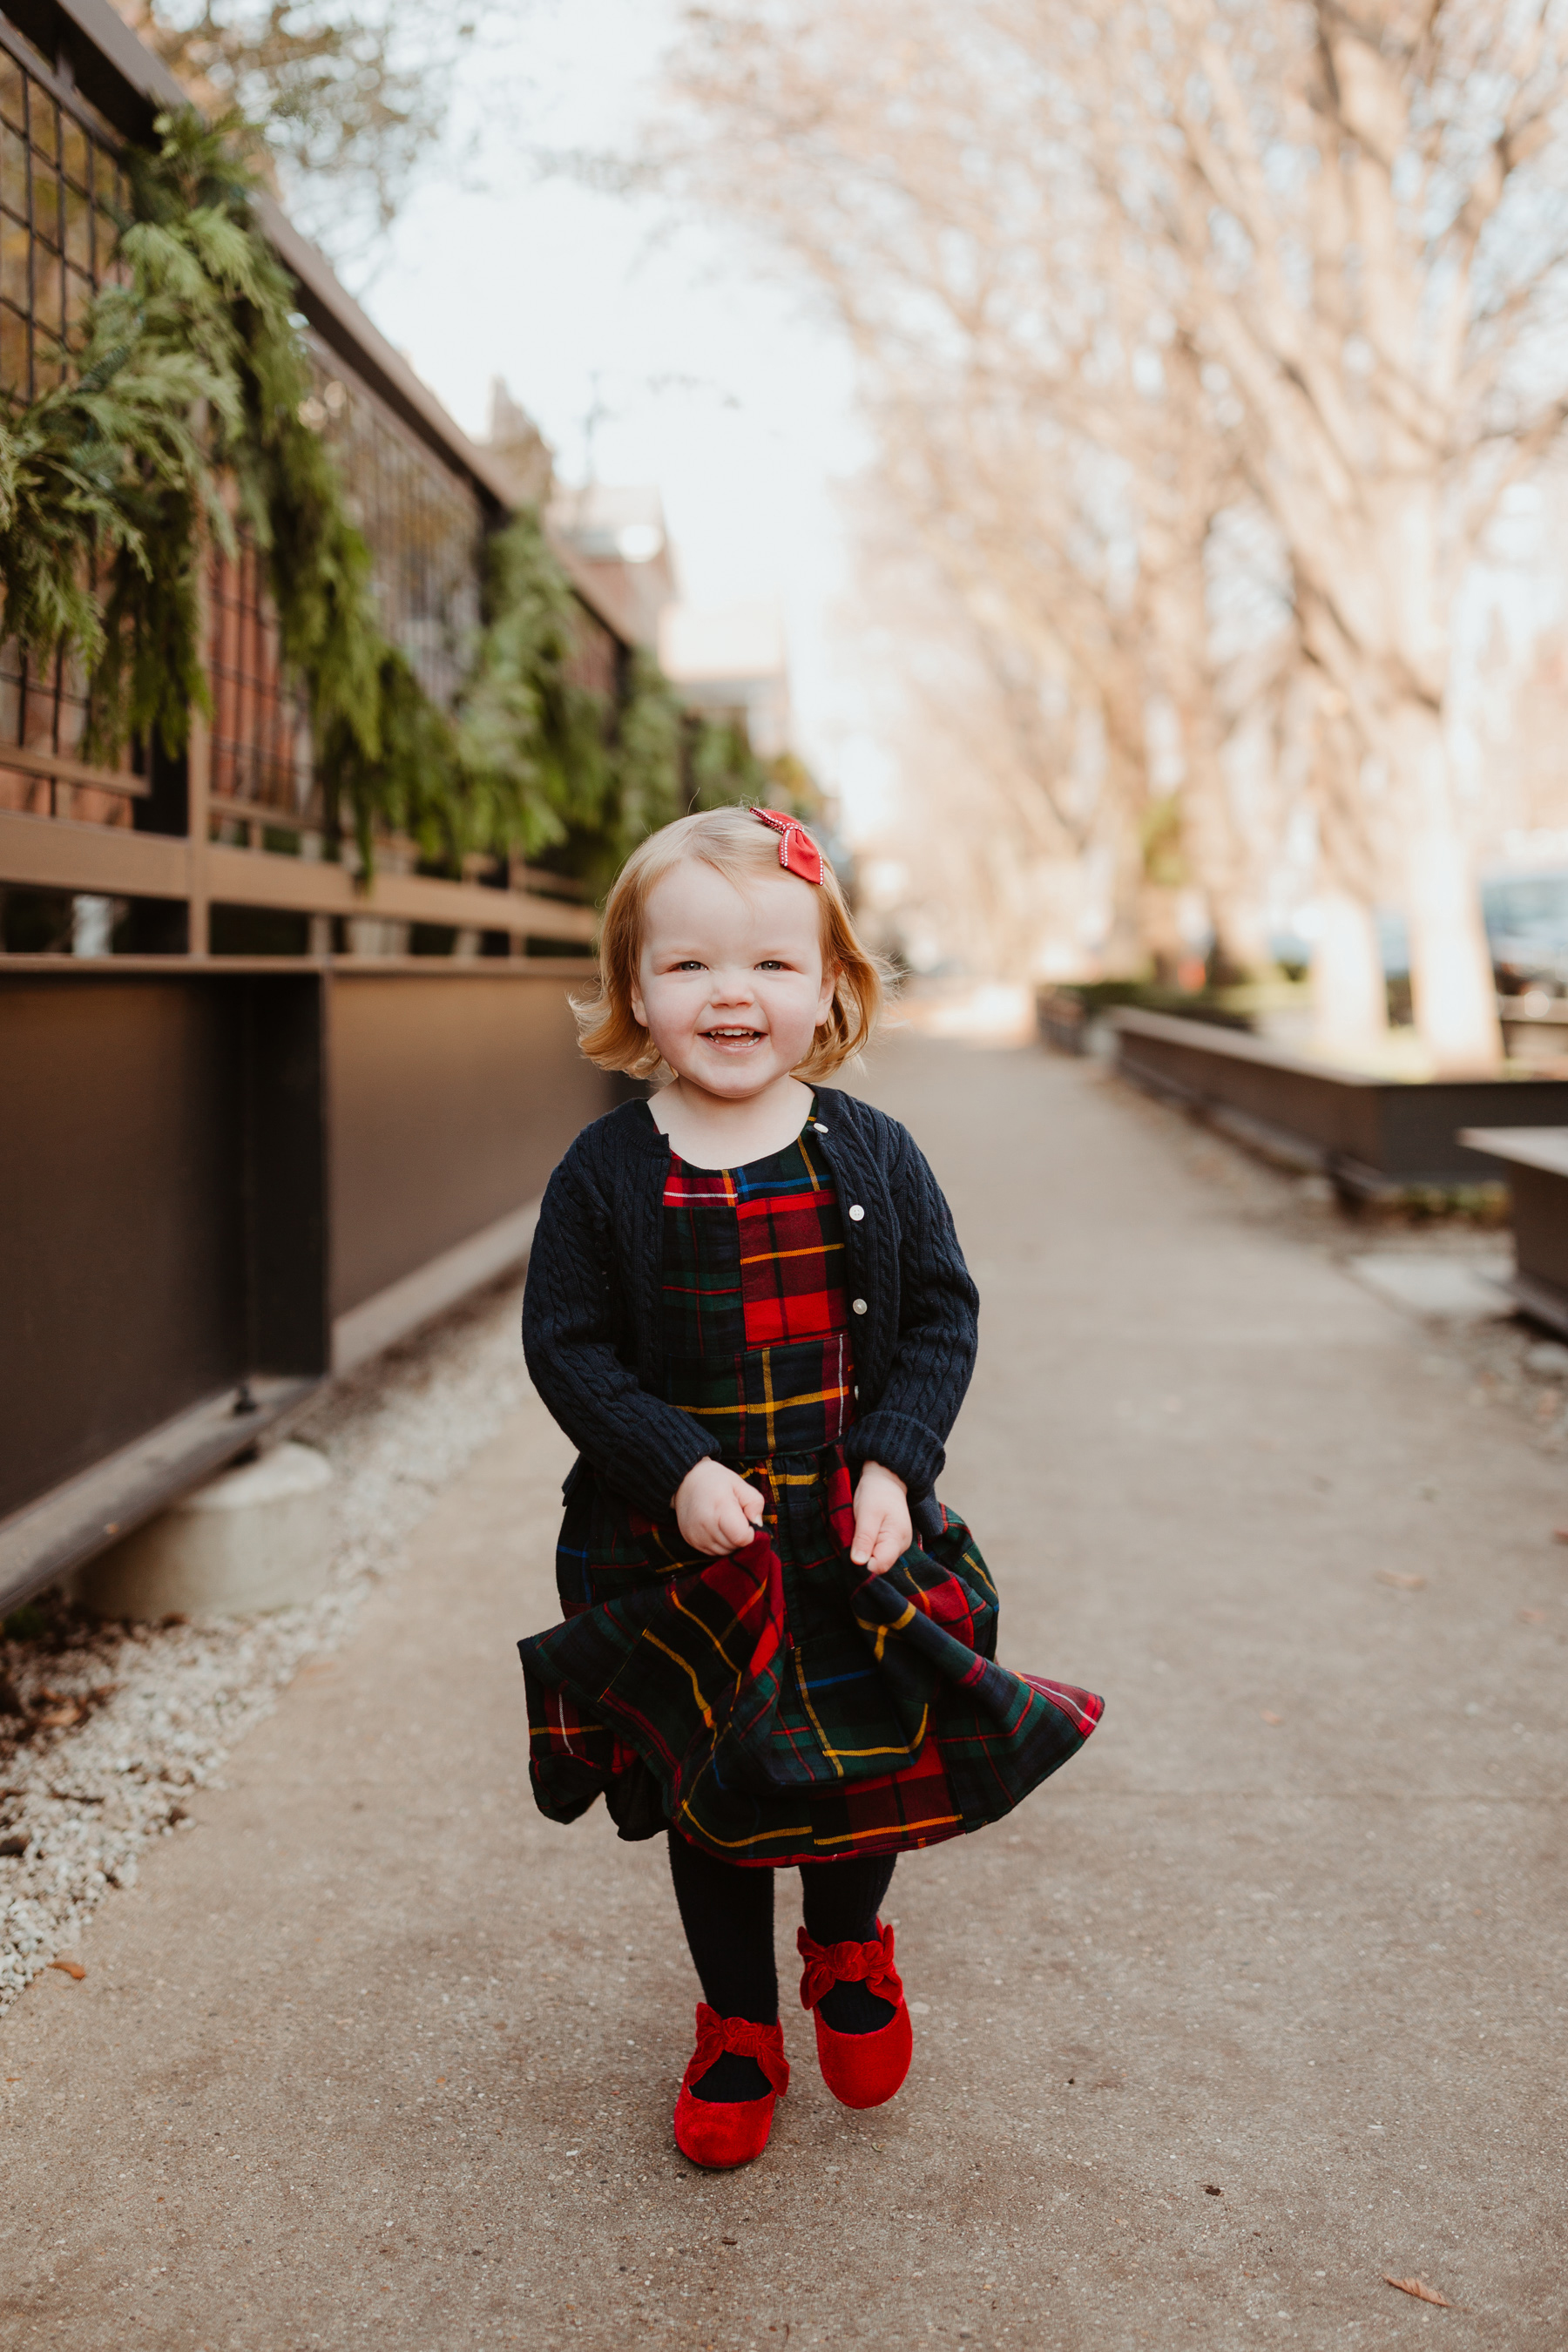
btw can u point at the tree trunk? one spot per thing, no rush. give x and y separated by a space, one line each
1216 856
1242 945
1451 977
1350 996
1123 950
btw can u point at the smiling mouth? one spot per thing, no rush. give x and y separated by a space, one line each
732 1036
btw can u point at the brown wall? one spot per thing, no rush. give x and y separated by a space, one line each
184 1156
121 1296
451 1100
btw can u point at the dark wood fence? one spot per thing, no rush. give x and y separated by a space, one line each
247 1137
220 1182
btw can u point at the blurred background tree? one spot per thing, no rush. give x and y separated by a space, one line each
353 95
1164 314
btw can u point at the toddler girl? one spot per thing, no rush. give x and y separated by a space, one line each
746 1306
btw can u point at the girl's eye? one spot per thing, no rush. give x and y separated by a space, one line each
692 963
771 963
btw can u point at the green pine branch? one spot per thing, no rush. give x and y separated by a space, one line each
183 417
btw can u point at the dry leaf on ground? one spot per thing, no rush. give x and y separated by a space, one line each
1270 1718
73 1969
1401 1582
1560 1535
1533 1616
1419 2289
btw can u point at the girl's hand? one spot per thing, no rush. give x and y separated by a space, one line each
715 1510
882 1530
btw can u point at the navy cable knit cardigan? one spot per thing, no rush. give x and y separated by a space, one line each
591 1315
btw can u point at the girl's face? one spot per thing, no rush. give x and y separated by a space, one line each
730 985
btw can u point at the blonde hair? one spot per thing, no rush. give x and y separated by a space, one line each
738 845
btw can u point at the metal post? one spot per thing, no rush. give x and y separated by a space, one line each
198 772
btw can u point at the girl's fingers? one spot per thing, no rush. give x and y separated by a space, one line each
871 1546
726 1523
737 1526
889 1541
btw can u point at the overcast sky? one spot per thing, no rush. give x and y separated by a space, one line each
715 382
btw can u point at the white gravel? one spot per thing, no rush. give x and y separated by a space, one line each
124 1720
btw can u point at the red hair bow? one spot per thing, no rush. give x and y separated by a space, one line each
798 854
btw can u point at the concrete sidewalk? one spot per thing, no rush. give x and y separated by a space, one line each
1262 1999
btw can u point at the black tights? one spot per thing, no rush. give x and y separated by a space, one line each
727 1911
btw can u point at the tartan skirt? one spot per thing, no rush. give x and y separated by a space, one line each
777 1705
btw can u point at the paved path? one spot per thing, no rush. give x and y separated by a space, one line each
1261 1998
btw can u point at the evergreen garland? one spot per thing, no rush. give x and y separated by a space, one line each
650 760
398 774
533 752
184 416
95 473
206 279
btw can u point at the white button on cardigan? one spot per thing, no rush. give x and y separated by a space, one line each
857 1213
859 1305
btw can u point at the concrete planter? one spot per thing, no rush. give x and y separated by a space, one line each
1062 1020
1076 1020
256 1537
1374 1137
1535 1161
1540 1035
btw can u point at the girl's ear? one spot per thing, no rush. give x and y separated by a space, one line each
639 1013
830 979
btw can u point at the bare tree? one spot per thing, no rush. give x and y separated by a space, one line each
1363 216
980 847
1045 428
353 95
1323 246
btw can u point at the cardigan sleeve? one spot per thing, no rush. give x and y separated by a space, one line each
640 1445
939 1306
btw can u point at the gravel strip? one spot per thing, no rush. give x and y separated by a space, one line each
119 1722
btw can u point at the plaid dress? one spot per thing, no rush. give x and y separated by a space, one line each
776 1705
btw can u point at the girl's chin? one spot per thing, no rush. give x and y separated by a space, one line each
740 1068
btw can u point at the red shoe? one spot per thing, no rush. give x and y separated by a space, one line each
720 2133
862 2070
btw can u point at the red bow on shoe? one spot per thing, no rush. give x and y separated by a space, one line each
715 2034
829 1964
798 854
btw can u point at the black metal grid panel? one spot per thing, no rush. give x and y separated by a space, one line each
60 184
424 527
423 524
261 733
595 658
